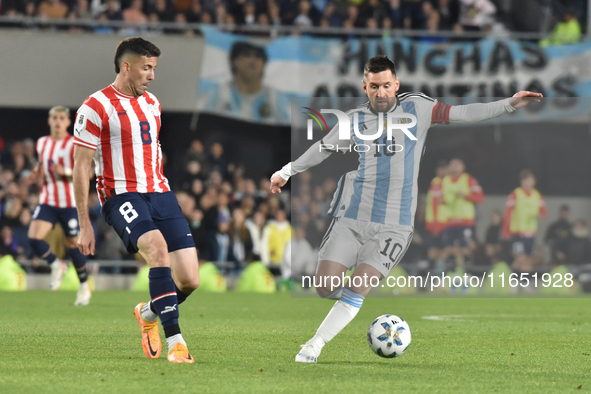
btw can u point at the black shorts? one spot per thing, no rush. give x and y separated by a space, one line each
457 236
134 214
67 217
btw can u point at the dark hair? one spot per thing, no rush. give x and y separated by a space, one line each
243 48
378 64
135 46
525 173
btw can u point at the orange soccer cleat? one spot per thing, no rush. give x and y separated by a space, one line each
150 335
180 354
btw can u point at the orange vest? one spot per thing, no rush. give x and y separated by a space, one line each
436 213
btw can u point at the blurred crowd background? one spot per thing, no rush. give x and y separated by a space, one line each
566 17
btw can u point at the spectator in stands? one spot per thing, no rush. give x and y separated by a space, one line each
557 236
135 13
448 12
8 244
52 9
255 226
82 10
112 12
353 19
221 248
303 18
578 250
413 16
299 259
568 31
274 15
250 17
194 14
217 160
20 234
394 14
163 11
241 240
372 9
476 14
276 235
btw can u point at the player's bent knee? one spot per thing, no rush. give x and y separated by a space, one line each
188 285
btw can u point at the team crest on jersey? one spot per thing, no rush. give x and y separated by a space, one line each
153 109
403 121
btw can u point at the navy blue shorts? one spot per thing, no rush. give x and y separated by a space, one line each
67 217
522 245
433 241
134 214
457 236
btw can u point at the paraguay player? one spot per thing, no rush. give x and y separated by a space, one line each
374 207
121 123
56 201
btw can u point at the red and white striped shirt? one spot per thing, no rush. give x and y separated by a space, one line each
124 131
57 191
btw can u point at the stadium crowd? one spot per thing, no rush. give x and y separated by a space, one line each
380 15
235 220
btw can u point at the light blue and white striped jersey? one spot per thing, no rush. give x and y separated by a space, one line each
384 187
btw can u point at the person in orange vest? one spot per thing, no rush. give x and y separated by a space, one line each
460 192
520 222
435 213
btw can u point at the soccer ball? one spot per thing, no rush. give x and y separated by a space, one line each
388 336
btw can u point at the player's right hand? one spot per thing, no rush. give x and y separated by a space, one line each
277 182
86 240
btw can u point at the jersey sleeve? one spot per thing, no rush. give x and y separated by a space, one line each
89 123
478 112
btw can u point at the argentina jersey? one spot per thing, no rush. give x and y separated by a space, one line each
383 189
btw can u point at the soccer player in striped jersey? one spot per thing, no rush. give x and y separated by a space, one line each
119 127
374 206
56 201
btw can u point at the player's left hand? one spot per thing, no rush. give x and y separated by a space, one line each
523 98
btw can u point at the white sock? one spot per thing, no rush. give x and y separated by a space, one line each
147 313
83 286
341 314
173 340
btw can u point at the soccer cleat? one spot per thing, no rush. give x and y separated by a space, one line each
308 354
84 294
150 335
180 354
58 270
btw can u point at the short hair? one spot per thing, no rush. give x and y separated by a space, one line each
243 48
59 108
378 64
135 46
525 173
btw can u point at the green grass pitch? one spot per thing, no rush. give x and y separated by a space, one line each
247 343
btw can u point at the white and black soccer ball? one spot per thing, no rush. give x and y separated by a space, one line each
389 336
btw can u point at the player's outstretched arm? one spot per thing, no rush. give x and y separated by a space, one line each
523 98
315 155
478 112
82 170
